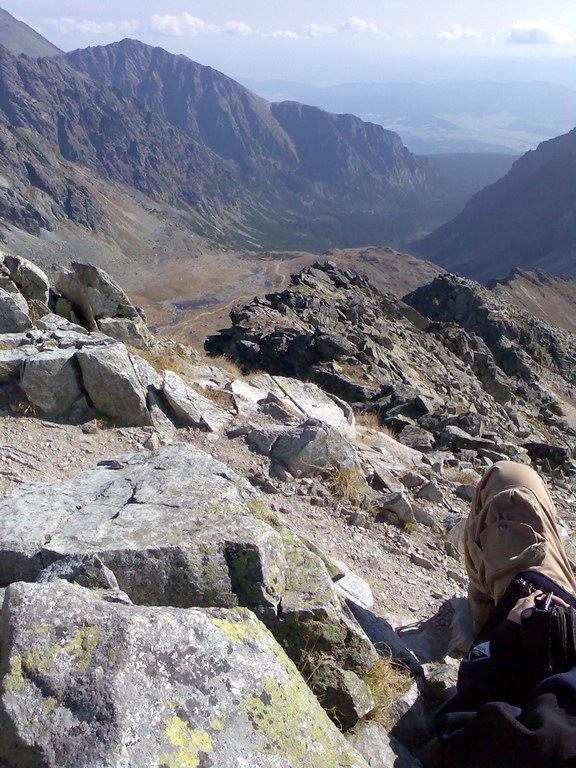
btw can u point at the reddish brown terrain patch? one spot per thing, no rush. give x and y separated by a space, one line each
188 299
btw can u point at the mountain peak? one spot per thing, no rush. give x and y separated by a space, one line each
17 37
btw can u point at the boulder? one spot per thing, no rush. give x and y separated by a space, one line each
14 315
131 332
50 380
174 526
399 504
192 408
52 322
430 492
379 748
94 294
344 695
86 570
88 682
311 448
112 385
30 279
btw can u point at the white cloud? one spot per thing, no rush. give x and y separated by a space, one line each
239 28
318 30
539 33
283 34
360 26
67 24
178 26
457 32
186 25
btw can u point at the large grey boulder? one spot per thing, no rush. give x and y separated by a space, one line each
50 380
30 279
301 399
174 526
91 683
12 361
311 448
177 527
94 294
14 315
192 408
112 385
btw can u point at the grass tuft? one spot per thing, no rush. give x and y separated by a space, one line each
345 484
388 680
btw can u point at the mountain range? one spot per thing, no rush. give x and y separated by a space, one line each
133 157
96 132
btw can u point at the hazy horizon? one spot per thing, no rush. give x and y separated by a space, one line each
332 41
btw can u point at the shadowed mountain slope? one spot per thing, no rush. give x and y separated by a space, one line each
58 126
526 219
297 143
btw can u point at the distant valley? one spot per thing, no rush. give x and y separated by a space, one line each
196 193
448 117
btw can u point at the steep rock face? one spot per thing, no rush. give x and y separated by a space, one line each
55 121
525 219
342 149
199 100
306 143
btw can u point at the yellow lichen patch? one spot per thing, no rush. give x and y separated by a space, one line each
49 704
292 726
243 627
191 741
83 644
41 658
13 679
216 725
41 629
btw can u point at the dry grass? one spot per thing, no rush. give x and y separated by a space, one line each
27 408
218 396
368 419
462 476
388 680
345 484
226 364
162 359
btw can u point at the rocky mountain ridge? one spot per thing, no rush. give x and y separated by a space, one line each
462 351
264 551
127 131
526 219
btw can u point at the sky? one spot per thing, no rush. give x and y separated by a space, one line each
326 41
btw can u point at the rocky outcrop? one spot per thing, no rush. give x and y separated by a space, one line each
178 528
468 381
